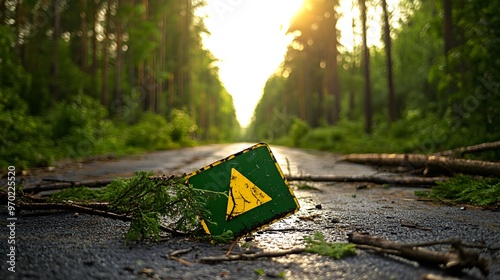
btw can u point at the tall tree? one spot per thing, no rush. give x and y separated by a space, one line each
449 38
393 110
366 70
54 61
331 72
118 102
105 54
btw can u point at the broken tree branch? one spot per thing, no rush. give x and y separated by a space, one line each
68 206
39 187
394 180
63 184
251 256
415 161
86 208
454 260
460 152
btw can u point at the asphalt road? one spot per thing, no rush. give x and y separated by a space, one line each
65 245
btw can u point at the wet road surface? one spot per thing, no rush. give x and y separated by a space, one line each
69 246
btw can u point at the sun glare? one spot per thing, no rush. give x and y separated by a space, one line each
249 38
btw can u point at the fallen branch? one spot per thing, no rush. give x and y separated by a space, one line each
68 206
52 184
174 256
86 208
460 152
455 260
394 180
251 256
415 161
43 186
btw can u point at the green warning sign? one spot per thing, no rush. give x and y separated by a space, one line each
257 191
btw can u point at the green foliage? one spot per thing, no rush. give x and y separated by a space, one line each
151 203
147 201
80 194
152 132
22 137
226 237
298 130
444 100
467 189
317 244
260 272
74 95
80 127
183 127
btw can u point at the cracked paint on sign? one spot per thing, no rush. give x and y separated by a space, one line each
243 195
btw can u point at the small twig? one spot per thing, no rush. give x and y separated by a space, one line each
252 256
173 256
72 207
180 252
377 179
454 242
415 226
87 208
230 250
453 260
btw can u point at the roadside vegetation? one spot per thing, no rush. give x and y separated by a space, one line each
466 190
106 77
429 86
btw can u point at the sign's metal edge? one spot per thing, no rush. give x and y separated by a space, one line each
226 159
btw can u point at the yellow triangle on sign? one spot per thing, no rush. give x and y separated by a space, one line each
243 195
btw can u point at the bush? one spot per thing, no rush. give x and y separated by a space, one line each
298 130
183 127
467 189
22 137
80 127
152 132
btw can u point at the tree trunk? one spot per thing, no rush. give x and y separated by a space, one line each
439 163
54 61
449 38
118 61
460 152
366 71
83 39
333 80
94 66
393 113
105 58
454 260
377 179
3 11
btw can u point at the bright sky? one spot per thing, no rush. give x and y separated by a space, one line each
248 37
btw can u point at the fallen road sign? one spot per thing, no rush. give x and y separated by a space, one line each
257 192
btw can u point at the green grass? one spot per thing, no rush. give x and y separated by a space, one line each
466 189
317 244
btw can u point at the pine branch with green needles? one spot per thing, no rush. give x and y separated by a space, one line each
151 203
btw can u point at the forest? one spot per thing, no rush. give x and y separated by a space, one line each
89 77
95 77
431 84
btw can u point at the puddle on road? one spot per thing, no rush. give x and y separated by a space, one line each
290 232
